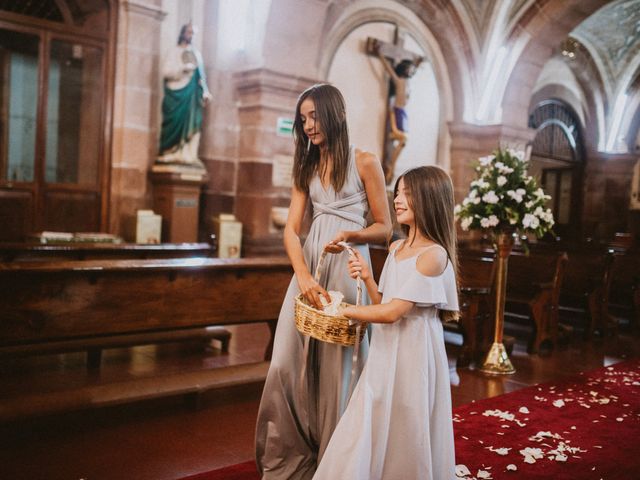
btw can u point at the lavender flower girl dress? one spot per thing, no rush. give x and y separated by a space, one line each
398 424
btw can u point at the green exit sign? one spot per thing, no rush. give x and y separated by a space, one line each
284 127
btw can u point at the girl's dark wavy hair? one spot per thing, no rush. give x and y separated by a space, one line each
429 193
331 120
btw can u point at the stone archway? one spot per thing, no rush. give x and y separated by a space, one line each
557 159
551 23
366 12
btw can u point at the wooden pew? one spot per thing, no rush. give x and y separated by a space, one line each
586 286
622 241
476 279
533 288
625 289
63 306
56 251
27 252
378 255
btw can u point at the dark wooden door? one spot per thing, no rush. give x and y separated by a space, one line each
54 99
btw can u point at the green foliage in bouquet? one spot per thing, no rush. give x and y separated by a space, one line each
503 197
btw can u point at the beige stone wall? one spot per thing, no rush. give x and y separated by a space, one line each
135 116
469 142
294 43
263 97
146 29
364 84
607 191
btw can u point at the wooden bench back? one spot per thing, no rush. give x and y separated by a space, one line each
476 270
588 270
45 301
51 252
378 255
625 278
536 270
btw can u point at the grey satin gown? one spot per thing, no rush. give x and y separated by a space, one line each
306 389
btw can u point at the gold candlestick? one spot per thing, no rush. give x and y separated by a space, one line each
497 361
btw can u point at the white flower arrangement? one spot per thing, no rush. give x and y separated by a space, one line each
504 197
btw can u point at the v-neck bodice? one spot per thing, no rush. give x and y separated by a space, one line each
348 204
319 192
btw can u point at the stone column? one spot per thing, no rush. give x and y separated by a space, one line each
265 156
135 116
219 141
606 195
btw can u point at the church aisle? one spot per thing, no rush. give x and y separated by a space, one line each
166 439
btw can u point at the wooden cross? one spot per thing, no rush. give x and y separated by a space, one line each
393 51
395 135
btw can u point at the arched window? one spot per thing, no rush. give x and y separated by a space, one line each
55 97
557 158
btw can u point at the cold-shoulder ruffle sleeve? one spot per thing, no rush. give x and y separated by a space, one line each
439 291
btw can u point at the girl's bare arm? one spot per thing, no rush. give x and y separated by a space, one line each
308 286
380 313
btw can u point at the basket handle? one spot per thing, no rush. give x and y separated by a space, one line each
359 326
316 276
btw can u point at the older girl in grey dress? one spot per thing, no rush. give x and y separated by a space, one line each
306 388
398 424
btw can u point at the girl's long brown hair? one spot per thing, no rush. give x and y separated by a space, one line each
430 196
331 120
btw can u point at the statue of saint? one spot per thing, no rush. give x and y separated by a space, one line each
185 95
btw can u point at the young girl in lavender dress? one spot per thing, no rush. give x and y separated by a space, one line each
398 423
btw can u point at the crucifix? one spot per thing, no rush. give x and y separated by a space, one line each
400 64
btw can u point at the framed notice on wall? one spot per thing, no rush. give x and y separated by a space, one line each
282 169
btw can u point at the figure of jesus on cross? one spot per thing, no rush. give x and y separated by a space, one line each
400 65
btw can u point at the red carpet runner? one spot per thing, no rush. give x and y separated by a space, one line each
585 427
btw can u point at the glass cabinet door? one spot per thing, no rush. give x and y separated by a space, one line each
18 105
74 113
54 99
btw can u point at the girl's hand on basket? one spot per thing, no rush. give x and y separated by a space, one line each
357 266
313 292
334 245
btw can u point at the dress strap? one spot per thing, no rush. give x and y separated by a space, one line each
430 247
353 167
423 250
403 240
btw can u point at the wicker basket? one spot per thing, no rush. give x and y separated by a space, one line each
321 326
